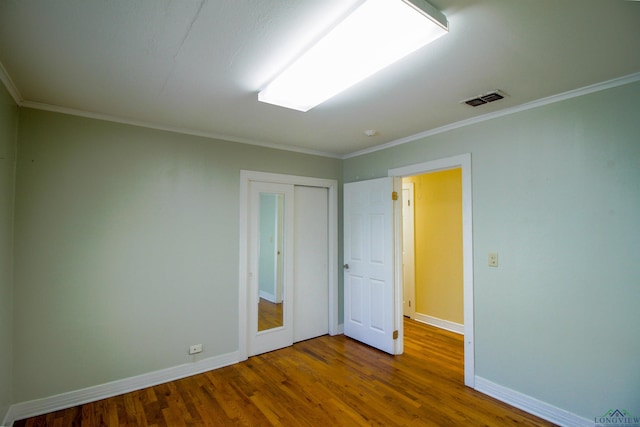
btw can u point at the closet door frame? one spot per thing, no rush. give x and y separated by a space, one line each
331 185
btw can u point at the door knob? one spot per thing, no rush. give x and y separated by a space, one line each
346 266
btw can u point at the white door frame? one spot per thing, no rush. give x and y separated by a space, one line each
332 186
408 246
462 161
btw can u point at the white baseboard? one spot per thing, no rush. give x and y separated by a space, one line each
531 404
33 408
66 400
439 323
266 295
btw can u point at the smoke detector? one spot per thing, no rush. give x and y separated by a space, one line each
484 98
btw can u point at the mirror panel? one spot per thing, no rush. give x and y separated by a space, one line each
270 261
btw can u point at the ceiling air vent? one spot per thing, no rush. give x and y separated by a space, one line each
485 98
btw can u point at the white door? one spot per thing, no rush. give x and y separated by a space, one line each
408 251
372 299
311 271
270 290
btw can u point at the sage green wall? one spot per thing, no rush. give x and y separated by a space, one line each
8 138
556 194
126 248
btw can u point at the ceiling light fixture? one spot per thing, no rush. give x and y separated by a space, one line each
375 35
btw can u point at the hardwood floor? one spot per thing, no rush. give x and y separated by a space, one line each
326 381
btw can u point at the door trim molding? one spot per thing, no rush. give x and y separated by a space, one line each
462 161
331 185
411 312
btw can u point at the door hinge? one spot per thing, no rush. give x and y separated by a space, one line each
395 335
394 195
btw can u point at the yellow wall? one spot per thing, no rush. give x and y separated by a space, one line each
438 244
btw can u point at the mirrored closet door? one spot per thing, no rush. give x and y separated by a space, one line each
270 266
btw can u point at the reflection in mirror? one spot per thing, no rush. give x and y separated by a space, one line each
270 264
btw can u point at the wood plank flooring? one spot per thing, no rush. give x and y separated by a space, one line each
326 381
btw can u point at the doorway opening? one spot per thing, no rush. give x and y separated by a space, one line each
432 234
463 162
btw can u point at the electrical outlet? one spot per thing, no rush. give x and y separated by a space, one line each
196 348
493 259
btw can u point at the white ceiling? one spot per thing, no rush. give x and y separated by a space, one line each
197 66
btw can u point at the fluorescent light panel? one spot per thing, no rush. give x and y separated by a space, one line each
375 35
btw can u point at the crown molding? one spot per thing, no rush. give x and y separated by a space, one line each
175 129
631 78
10 85
21 102
15 93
